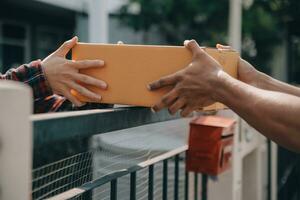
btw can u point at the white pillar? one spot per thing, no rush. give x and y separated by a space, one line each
235 40
235 24
98 21
15 141
274 157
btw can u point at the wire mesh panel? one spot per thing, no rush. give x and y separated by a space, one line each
90 167
142 184
62 175
102 192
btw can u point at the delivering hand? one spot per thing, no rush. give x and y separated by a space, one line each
63 74
193 86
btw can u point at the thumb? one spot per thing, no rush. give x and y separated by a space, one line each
223 47
194 47
66 47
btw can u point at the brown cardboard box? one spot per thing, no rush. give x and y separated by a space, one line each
129 68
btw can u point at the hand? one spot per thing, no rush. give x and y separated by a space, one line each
246 72
193 86
63 75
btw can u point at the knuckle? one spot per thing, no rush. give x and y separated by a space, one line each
171 110
176 93
81 90
183 99
82 63
180 76
161 82
84 79
66 75
199 53
180 90
165 100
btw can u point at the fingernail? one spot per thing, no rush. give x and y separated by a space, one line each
186 42
75 38
100 62
149 87
152 110
104 86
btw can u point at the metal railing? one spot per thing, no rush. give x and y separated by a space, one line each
125 153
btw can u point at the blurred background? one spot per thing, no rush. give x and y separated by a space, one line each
269 36
31 29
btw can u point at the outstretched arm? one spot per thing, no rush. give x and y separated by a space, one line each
274 114
203 82
248 74
268 83
58 75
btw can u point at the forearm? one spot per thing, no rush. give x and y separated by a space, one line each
268 83
274 114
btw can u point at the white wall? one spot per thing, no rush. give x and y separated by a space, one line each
98 17
83 5
77 5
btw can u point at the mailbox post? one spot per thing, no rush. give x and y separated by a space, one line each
15 141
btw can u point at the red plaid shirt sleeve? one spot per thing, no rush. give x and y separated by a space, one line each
44 100
32 75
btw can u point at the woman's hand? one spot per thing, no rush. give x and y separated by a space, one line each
246 72
63 75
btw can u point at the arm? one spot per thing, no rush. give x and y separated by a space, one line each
31 74
268 83
57 75
274 114
248 74
202 82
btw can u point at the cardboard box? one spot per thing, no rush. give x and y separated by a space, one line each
130 68
210 145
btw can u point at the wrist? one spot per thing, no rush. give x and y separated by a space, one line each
47 84
220 86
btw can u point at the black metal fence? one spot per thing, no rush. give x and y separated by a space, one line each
128 153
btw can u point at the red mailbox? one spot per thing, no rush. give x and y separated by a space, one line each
210 144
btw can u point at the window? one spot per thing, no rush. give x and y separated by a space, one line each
14 44
49 39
